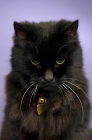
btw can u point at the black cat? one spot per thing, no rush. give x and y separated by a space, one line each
47 92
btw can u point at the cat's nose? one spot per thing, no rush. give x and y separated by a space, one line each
48 80
48 76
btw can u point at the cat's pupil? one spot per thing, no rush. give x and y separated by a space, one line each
60 61
35 62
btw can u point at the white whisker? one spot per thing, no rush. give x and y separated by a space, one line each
78 99
64 89
67 90
23 88
78 88
33 93
76 80
23 99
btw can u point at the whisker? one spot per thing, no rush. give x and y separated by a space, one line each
23 99
78 99
68 91
76 80
33 93
78 88
63 89
23 88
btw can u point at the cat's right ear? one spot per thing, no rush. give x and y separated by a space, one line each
19 30
71 31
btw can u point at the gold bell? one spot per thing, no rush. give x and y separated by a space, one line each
40 104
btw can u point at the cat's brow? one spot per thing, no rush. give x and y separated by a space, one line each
65 45
61 48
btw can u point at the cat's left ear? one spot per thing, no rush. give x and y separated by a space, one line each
19 30
72 29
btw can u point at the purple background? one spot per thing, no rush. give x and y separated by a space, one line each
43 10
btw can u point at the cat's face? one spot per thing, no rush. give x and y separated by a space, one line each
43 54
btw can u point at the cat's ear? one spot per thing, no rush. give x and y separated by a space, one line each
19 30
71 30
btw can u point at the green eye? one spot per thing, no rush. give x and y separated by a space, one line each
60 61
34 62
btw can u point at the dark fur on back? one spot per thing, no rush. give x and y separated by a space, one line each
46 62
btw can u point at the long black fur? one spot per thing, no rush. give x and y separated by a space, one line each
66 111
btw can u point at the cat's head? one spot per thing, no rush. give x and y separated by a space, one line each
46 53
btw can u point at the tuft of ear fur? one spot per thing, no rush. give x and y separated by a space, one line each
71 30
19 30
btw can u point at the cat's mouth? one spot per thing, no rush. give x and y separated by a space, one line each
45 89
42 91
